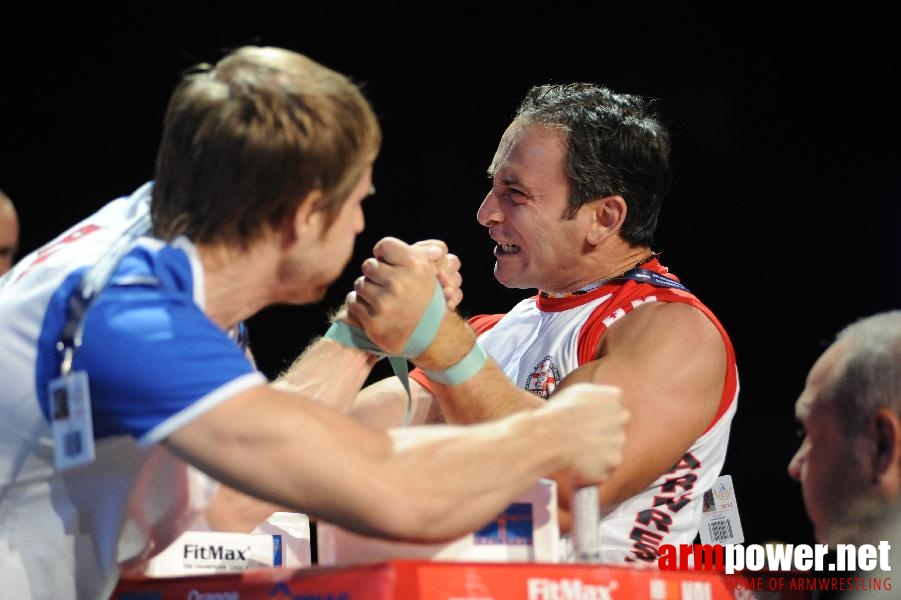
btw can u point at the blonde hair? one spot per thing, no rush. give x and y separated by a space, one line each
246 140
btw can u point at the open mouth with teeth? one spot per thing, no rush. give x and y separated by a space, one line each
506 249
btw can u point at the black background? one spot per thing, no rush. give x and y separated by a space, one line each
784 217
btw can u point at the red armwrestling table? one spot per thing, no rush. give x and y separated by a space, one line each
427 580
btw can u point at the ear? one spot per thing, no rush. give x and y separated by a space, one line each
607 217
306 222
886 429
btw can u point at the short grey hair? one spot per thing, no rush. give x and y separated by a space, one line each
870 374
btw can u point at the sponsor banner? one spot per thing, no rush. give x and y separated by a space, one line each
425 580
283 540
732 558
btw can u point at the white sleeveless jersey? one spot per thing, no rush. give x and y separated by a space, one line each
541 340
64 534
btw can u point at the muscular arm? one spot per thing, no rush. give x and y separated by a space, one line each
382 405
422 483
331 374
670 362
327 373
307 376
397 282
668 359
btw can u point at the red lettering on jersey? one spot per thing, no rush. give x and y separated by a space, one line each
688 461
646 546
50 249
686 482
646 543
672 503
660 519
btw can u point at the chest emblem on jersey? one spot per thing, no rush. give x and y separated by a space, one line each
544 377
722 491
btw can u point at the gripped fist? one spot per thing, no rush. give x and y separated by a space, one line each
396 287
448 266
593 417
448 272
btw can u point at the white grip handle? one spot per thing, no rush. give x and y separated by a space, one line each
586 513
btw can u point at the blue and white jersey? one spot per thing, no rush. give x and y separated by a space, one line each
154 363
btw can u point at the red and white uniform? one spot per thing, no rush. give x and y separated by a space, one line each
541 340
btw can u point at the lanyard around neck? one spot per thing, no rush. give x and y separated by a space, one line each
92 283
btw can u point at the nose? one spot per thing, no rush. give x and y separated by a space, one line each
490 212
796 463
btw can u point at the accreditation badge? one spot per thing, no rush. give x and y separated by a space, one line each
70 416
720 523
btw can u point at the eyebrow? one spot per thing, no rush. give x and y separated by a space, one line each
511 181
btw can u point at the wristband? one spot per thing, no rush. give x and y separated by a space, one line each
462 370
353 337
422 337
424 333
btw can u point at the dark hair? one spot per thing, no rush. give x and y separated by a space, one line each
245 142
617 146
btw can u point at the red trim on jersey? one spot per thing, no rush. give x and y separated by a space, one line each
52 248
480 324
624 292
419 377
561 304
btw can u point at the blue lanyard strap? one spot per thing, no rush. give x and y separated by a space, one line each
96 279
655 279
89 287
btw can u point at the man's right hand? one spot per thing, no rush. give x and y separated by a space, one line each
448 266
592 416
391 296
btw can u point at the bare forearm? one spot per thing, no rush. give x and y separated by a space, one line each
328 373
578 438
288 451
384 404
428 483
454 487
425 483
231 510
485 396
